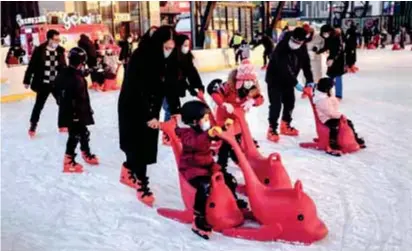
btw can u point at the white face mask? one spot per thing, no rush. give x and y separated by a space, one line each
185 49
167 53
325 35
129 40
205 126
293 45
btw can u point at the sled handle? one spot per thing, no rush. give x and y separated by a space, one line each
275 157
217 178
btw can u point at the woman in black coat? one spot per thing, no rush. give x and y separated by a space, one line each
350 47
188 76
336 60
151 76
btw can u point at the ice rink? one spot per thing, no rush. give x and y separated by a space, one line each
365 198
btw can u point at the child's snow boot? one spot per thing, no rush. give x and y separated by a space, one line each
286 129
32 130
63 129
201 227
333 149
70 165
361 142
143 191
272 135
166 140
90 158
127 177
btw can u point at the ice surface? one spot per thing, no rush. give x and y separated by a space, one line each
364 198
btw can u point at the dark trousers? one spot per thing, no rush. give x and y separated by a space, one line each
238 53
333 125
41 98
202 186
226 151
278 97
135 165
266 55
78 132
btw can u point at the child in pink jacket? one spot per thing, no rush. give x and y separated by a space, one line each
327 107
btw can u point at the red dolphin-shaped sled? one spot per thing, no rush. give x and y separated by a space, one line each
222 211
284 214
346 138
269 170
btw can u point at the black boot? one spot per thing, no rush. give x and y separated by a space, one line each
201 227
333 149
361 142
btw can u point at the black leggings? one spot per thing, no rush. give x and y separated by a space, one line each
277 97
133 163
202 186
78 132
333 125
41 98
226 151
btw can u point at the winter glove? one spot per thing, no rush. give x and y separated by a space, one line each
214 131
248 104
299 87
228 107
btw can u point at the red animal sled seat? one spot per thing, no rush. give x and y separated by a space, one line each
269 170
287 214
346 137
221 212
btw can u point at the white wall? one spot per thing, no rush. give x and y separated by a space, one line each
50 6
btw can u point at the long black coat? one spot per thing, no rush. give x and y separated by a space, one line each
350 46
34 75
73 98
125 51
336 53
285 65
87 45
189 78
267 43
148 80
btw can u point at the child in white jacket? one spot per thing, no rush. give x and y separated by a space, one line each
327 107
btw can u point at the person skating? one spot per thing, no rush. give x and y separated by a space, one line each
196 162
336 60
289 57
235 43
241 90
267 42
46 62
188 76
150 77
327 107
350 48
75 111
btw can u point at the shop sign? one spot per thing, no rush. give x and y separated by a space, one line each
122 17
70 21
31 20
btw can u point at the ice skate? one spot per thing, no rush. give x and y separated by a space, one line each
127 177
70 165
272 135
201 227
89 158
143 191
286 129
32 130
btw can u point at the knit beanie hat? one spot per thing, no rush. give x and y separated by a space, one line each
325 84
245 72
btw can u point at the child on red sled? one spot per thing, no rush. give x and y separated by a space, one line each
241 90
196 163
327 107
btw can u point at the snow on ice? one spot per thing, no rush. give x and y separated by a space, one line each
364 198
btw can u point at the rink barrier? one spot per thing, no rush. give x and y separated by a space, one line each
12 88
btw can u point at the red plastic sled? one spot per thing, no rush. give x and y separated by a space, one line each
269 170
284 214
221 212
346 138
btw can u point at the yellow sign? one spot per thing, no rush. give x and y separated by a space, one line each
122 17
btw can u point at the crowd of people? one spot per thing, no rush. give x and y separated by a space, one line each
161 71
